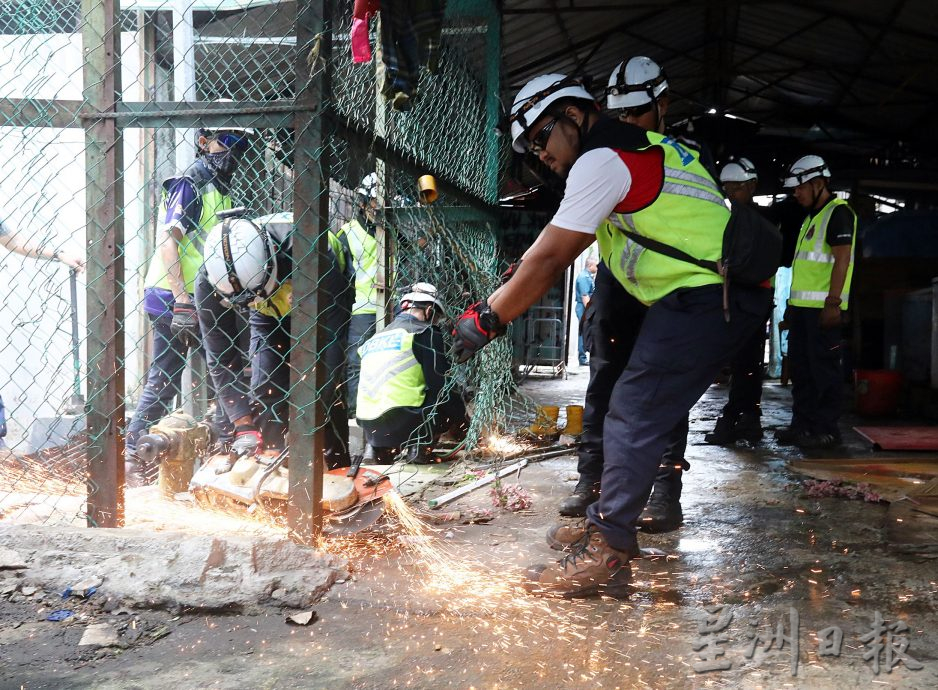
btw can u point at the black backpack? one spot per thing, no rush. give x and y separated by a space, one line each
752 250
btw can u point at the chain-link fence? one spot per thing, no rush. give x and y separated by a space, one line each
128 129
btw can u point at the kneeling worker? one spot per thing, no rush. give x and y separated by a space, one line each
249 263
402 400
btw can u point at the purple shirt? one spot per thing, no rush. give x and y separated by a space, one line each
183 207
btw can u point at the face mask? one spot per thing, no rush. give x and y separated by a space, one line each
222 164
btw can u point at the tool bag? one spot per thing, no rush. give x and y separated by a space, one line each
752 250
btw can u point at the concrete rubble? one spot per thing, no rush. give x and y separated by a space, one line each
171 570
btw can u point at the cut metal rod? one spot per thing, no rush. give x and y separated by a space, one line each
487 479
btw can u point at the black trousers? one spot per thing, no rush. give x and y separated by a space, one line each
615 324
817 380
746 385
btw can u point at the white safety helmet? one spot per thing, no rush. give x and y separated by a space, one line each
804 169
634 83
368 189
214 131
240 261
740 170
420 294
532 100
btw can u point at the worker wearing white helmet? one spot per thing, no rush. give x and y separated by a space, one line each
191 202
820 289
403 399
638 93
359 233
248 264
629 189
741 417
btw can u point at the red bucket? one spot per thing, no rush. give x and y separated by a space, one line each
877 392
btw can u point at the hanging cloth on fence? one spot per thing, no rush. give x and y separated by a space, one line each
362 11
410 38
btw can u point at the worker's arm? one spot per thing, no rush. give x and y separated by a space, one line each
168 247
541 267
183 210
13 242
831 313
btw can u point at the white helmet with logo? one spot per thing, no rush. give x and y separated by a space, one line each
741 170
634 83
241 261
804 169
532 100
420 294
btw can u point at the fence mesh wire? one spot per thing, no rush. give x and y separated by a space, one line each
245 53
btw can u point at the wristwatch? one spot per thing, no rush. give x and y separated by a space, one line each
489 320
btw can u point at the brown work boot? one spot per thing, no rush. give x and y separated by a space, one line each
562 537
591 567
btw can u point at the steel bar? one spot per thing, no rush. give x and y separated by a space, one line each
311 216
487 479
104 201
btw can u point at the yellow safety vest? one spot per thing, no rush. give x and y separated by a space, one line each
390 375
190 247
688 214
364 250
814 260
280 303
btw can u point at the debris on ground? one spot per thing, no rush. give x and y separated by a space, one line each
99 635
303 618
816 488
513 497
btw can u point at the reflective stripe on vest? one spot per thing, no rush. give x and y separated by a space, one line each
190 247
364 250
689 214
814 261
390 374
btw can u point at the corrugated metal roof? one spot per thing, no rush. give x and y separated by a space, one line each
853 79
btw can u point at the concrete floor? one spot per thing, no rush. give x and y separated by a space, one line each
441 610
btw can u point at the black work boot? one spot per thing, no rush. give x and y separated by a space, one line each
723 433
663 512
748 428
585 494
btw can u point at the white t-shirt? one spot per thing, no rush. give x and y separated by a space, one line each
598 181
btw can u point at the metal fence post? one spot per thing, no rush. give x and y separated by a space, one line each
311 216
104 199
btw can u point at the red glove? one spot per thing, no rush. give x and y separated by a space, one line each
474 329
247 441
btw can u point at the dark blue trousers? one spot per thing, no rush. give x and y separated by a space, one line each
617 320
681 347
817 379
361 328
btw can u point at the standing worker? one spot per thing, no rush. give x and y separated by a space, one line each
624 186
741 418
191 201
248 263
359 234
637 94
820 289
585 284
402 399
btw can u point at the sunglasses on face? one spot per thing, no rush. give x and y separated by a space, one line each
636 112
539 142
233 141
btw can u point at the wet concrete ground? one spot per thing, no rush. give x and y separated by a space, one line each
441 611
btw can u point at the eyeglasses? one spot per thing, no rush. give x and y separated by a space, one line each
635 112
233 141
539 142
